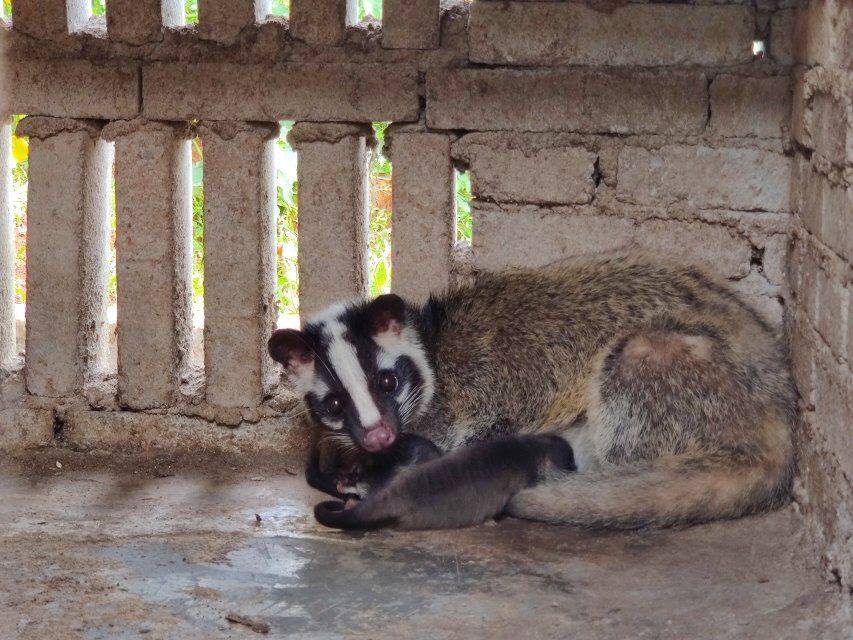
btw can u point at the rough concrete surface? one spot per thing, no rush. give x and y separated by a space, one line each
322 22
743 106
239 296
50 18
71 88
505 172
504 237
333 210
296 91
67 230
746 179
410 24
153 245
659 34
819 311
424 206
91 552
566 100
222 20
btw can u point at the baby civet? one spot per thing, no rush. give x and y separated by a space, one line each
606 392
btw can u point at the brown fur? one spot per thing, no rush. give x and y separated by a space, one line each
685 389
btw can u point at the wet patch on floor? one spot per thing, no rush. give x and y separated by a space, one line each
303 585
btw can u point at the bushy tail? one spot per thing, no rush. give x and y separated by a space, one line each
664 492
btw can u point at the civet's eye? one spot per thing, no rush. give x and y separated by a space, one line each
333 405
387 381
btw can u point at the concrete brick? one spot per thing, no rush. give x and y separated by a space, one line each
141 21
823 496
850 325
542 33
67 233
795 268
812 194
50 18
774 264
22 428
153 247
833 304
239 261
837 219
322 22
823 33
781 45
809 284
798 105
844 35
8 348
715 246
802 344
132 431
828 128
567 100
72 88
517 236
333 213
222 20
289 91
834 407
508 170
513 237
410 24
826 210
424 208
733 178
744 106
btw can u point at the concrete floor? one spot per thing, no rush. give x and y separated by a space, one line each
125 549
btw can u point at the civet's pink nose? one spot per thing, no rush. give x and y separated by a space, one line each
378 437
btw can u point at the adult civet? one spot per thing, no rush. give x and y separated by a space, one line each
613 391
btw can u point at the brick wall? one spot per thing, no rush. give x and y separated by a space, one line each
819 314
585 127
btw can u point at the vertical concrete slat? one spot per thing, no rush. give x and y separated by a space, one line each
322 22
424 210
222 20
141 21
239 260
50 18
8 349
153 260
67 231
411 24
333 212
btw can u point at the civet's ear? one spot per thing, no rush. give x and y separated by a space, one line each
291 348
387 315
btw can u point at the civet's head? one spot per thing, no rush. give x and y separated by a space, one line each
361 368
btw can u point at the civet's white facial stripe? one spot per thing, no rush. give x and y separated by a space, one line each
344 361
392 345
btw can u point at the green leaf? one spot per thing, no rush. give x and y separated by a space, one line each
280 8
198 174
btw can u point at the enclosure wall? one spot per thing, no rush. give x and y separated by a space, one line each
820 315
